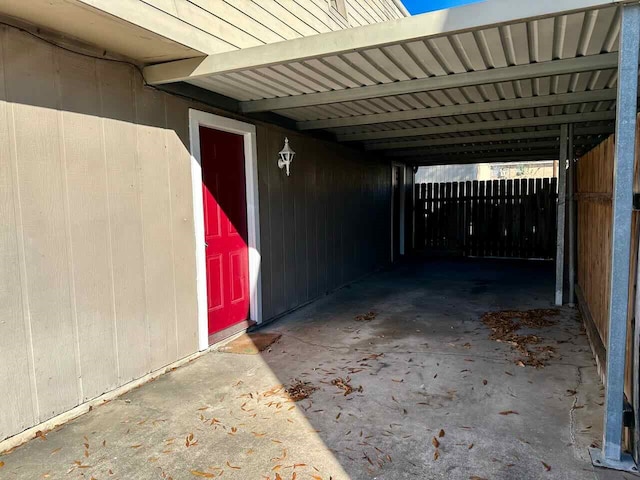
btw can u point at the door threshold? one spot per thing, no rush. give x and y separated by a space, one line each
230 331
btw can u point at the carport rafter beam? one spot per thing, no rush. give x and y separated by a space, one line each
561 99
473 149
467 79
488 14
479 126
475 139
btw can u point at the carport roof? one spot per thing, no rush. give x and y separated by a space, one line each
484 82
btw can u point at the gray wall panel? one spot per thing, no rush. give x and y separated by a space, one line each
98 247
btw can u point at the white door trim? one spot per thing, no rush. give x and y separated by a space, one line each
402 186
198 118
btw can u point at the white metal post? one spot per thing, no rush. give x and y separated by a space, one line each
611 455
571 212
562 193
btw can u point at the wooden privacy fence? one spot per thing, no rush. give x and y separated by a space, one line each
492 218
594 195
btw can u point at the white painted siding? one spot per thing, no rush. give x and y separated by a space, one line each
247 23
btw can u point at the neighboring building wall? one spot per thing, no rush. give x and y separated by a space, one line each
97 263
507 171
447 173
486 171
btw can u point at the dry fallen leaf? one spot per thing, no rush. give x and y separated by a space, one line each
202 474
471 446
475 477
441 433
546 467
1 464
436 455
509 412
435 442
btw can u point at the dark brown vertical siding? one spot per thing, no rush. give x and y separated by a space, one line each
323 226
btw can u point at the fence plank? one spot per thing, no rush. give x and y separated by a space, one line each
499 218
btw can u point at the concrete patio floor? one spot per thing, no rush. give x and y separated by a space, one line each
425 364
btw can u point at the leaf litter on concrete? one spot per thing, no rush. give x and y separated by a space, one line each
300 390
504 325
345 384
367 317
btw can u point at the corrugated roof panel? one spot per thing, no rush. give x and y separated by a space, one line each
360 63
586 33
290 84
386 64
425 58
343 65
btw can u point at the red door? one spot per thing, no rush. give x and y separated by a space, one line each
225 228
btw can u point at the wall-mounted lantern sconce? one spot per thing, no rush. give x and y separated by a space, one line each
286 156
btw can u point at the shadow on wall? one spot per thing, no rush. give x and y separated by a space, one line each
97 272
97 234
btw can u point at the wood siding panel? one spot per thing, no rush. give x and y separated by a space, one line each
120 139
312 240
184 247
19 411
32 89
89 217
266 236
157 234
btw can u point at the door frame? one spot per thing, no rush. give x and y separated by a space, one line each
197 119
402 213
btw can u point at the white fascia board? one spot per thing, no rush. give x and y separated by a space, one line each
429 25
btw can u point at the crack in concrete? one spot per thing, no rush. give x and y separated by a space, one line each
572 411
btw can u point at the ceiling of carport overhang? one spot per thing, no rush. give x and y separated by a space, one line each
483 91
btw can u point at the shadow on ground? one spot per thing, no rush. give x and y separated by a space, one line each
439 399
